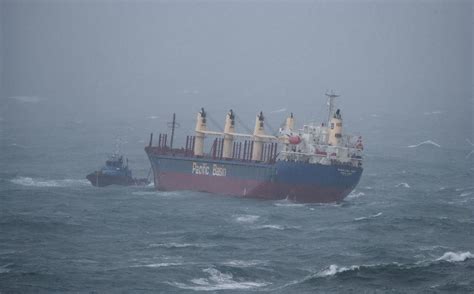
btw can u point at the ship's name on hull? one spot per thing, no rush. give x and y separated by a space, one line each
208 170
346 172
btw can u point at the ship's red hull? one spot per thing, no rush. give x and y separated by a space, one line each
170 181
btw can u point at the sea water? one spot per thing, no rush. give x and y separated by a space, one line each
407 227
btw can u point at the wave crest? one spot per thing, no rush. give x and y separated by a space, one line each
368 217
334 269
217 281
36 182
247 218
178 245
455 256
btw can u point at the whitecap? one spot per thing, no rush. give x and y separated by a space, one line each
32 182
455 256
464 194
163 264
170 193
4 268
428 142
355 195
275 227
178 245
243 263
368 217
334 269
247 218
217 281
153 117
404 185
288 203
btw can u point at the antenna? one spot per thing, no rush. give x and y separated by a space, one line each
173 125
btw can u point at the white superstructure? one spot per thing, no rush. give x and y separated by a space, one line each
322 143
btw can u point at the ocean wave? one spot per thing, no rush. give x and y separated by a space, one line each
170 193
353 194
243 263
428 142
404 185
37 182
288 203
368 217
179 245
464 189
163 264
217 280
394 268
247 218
144 193
456 256
4 268
274 227
334 269
464 194
449 256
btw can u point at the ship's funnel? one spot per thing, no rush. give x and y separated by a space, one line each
200 129
335 129
258 142
290 122
229 129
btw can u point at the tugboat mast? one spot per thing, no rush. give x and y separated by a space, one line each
173 125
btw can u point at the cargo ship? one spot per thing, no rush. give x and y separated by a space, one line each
314 164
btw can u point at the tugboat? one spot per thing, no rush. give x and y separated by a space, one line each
115 173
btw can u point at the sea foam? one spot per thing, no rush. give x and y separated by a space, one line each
368 217
334 269
455 256
404 185
35 182
217 281
247 218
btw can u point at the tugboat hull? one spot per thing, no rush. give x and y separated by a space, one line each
101 180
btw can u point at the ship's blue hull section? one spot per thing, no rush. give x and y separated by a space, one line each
303 182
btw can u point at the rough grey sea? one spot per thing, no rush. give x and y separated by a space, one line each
408 227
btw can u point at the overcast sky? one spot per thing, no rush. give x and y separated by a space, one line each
408 61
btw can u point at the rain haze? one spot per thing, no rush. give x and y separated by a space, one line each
378 200
403 68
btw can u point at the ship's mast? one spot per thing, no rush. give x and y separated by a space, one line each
173 125
331 97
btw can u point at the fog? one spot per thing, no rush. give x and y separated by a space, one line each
403 68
